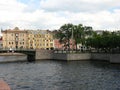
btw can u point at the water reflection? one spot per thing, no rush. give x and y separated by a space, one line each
61 75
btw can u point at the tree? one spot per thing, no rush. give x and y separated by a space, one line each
78 32
64 35
107 42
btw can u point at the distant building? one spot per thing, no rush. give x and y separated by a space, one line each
61 46
1 42
58 45
14 38
81 47
40 39
27 39
100 32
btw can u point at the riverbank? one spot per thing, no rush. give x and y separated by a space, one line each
9 54
49 54
12 57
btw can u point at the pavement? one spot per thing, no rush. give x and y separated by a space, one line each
4 85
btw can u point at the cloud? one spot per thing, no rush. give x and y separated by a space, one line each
78 5
11 5
51 14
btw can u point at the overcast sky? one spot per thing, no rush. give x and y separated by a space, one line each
51 14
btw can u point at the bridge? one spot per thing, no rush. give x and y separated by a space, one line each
29 52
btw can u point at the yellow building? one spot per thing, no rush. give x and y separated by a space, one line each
40 39
14 38
27 39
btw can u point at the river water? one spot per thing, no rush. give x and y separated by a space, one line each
61 75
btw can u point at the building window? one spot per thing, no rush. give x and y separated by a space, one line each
51 44
16 39
51 40
16 34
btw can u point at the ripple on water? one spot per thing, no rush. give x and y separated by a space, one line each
61 75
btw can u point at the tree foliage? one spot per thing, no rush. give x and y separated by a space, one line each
107 41
76 32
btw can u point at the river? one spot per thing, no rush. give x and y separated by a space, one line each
61 75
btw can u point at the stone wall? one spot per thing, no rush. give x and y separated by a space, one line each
100 56
44 54
81 56
115 58
112 58
59 56
49 54
13 57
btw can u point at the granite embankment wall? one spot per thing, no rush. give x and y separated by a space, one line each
64 56
44 54
12 57
49 54
112 58
100 56
115 58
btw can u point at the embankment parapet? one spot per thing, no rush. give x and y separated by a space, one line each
49 54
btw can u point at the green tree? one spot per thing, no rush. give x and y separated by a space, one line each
78 32
107 41
64 34
81 33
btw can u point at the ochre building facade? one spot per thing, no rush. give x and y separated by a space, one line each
14 38
27 39
40 39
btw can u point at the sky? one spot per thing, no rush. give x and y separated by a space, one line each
51 14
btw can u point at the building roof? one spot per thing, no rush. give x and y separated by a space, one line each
37 31
15 30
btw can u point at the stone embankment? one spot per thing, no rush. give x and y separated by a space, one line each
49 54
12 57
